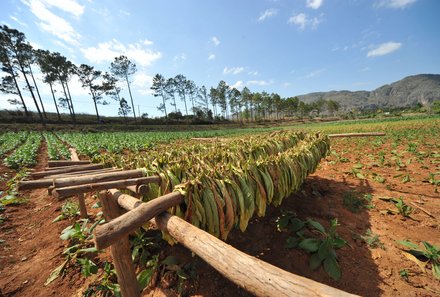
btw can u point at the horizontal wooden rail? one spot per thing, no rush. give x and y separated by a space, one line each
88 172
81 189
59 163
69 169
356 134
78 180
109 233
139 189
96 178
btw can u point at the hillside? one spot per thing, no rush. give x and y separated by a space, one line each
422 88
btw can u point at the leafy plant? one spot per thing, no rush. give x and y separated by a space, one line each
322 248
70 209
401 207
354 202
372 240
422 256
404 274
108 284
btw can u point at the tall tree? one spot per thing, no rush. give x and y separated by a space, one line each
213 95
12 42
203 97
159 90
222 94
124 108
123 68
234 102
192 91
246 99
180 83
170 90
49 77
92 79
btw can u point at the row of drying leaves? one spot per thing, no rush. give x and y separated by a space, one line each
225 183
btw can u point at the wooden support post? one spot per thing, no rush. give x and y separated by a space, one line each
120 251
357 134
109 233
79 189
82 206
60 163
256 276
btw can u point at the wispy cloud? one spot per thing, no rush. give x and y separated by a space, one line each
268 13
238 85
394 3
314 4
124 12
314 73
180 57
384 49
142 82
259 82
107 51
232 70
303 21
215 40
18 21
211 57
254 73
54 24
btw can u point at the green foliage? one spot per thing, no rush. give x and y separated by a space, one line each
69 210
422 256
355 201
372 240
312 237
26 154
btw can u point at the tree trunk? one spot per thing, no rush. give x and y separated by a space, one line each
71 103
32 93
17 86
67 98
164 106
186 109
131 97
38 91
55 101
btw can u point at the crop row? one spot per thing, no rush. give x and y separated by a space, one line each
10 140
56 149
26 154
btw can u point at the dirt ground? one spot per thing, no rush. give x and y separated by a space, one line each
30 248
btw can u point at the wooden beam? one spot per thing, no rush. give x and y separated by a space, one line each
356 134
76 168
139 189
60 163
256 276
88 172
34 184
80 189
96 178
73 154
109 233
120 251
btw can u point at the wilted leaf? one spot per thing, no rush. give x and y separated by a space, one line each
56 273
419 263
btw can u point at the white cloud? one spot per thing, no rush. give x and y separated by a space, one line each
69 6
238 85
180 57
314 4
302 21
124 12
259 82
147 42
18 21
107 51
54 24
254 73
268 13
315 73
384 49
211 57
232 70
215 40
142 82
394 3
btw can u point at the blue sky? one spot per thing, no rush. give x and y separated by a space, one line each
283 46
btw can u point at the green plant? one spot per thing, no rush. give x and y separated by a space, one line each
70 209
354 202
372 240
401 207
107 285
422 256
404 274
322 248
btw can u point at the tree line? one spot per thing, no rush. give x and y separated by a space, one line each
18 60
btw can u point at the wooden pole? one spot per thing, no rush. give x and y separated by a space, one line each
256 276
120 251
82 206
60 163
356 134
73 154
109 233
139 189
69 169
89 172
96 178
34 184
80 189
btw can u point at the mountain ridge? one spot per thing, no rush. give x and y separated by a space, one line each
409 91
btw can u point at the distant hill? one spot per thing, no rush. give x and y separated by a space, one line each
422 88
